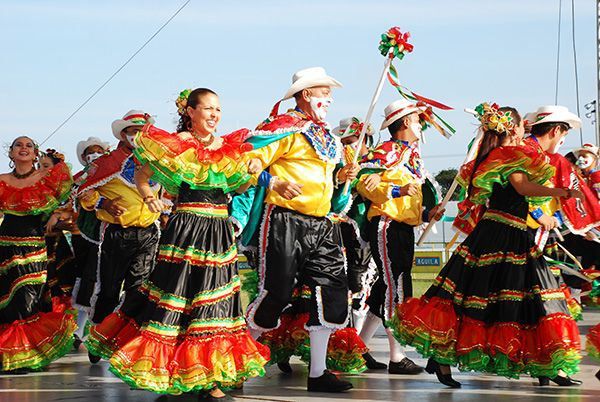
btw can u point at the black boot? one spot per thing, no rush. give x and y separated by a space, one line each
93 358
373 364
446 379
76 342
328 382
405 366
559 380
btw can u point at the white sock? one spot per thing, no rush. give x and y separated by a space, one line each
396 350
358 318
370 325
319 339
81 320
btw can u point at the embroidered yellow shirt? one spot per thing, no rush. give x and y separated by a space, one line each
137 213
295 160
402 166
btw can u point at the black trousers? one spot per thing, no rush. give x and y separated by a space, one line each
292 246
358 257
393 249
127 257
86 255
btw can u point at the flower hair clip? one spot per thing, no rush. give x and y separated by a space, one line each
53 153
182 100
491 118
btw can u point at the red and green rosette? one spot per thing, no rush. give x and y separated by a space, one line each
394 43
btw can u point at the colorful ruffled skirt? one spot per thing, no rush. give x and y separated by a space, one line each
291 338
31 336
495 307
593 342
184 330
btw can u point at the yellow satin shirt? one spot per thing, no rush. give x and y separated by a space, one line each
137 213
294 159
404 209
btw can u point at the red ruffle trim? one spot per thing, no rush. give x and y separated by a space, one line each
36 341
593 342
439 331
113 333
188 364
49 191
177 143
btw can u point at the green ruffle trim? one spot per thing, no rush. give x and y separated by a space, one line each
349 363
500 364
253 369
97 347
592 351
63 344
171 181
485 181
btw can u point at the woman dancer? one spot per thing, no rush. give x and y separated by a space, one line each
495 306
184 331
30 337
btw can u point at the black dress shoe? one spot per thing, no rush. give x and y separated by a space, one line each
446 379
285 367
404 366
93 358
373 364
559 380
328 382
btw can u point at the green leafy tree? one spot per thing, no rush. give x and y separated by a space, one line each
445 178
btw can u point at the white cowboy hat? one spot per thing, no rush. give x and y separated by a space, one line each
556 114
308 78
131 118
591 148
342 130
398 109
83 145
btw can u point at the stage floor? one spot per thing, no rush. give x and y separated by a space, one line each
73 378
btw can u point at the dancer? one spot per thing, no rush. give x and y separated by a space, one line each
397 207
297 239
362 270
183 330
86 238
30 338
495 306
61 267
587 160
129 232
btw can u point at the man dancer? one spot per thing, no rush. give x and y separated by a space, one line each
397 207
297 239
85 244
129 232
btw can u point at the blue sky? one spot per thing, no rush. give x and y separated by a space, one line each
55 53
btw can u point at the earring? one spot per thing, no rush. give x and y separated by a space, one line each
11 164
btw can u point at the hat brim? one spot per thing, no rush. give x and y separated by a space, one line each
310 83
119 125
82 146
569 118
577 151
413 109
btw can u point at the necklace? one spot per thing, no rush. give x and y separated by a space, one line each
205 142
24 175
